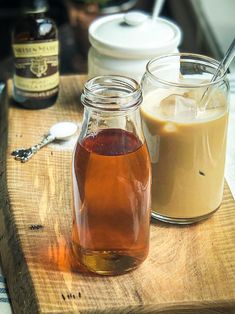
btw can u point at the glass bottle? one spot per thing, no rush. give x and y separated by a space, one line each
111 179
35 51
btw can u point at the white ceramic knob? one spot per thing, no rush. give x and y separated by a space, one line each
135 18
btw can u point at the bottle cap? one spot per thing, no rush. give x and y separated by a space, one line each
34 6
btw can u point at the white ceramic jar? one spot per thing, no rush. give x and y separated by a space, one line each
124 43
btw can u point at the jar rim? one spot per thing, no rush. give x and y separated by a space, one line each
95 93
195 57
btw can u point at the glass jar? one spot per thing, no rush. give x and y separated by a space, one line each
185 124
111 179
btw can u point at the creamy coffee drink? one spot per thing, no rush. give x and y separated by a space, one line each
187 147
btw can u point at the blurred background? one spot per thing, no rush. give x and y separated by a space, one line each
207 25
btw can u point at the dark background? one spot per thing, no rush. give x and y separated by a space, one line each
73 54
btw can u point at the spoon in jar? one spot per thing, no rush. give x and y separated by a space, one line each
59 131
222 68
158 5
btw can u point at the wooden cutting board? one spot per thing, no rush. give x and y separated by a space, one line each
190 269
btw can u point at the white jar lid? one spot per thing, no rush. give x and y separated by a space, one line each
133 35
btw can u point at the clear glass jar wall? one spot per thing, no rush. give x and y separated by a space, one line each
185 124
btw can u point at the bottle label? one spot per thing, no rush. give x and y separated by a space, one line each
36 69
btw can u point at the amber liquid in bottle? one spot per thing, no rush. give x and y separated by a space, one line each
35 51
111 177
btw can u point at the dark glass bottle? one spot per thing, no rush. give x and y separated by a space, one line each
36 61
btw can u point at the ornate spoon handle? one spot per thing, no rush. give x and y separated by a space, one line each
25 154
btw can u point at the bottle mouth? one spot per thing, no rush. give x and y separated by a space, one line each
111 93
167 70
34 11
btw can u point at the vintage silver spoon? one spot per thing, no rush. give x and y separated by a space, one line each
59 131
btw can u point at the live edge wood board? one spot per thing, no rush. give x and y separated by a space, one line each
190 269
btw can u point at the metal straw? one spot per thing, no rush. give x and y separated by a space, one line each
223 67
157 8
225 63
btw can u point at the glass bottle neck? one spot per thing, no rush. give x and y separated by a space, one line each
111 93
111 102
36 16
94 121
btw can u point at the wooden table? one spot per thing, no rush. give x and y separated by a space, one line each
190 269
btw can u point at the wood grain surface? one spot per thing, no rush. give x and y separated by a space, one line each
190 269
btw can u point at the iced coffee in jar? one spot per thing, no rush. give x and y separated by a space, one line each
185 124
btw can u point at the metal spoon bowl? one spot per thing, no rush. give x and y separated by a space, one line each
59 131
